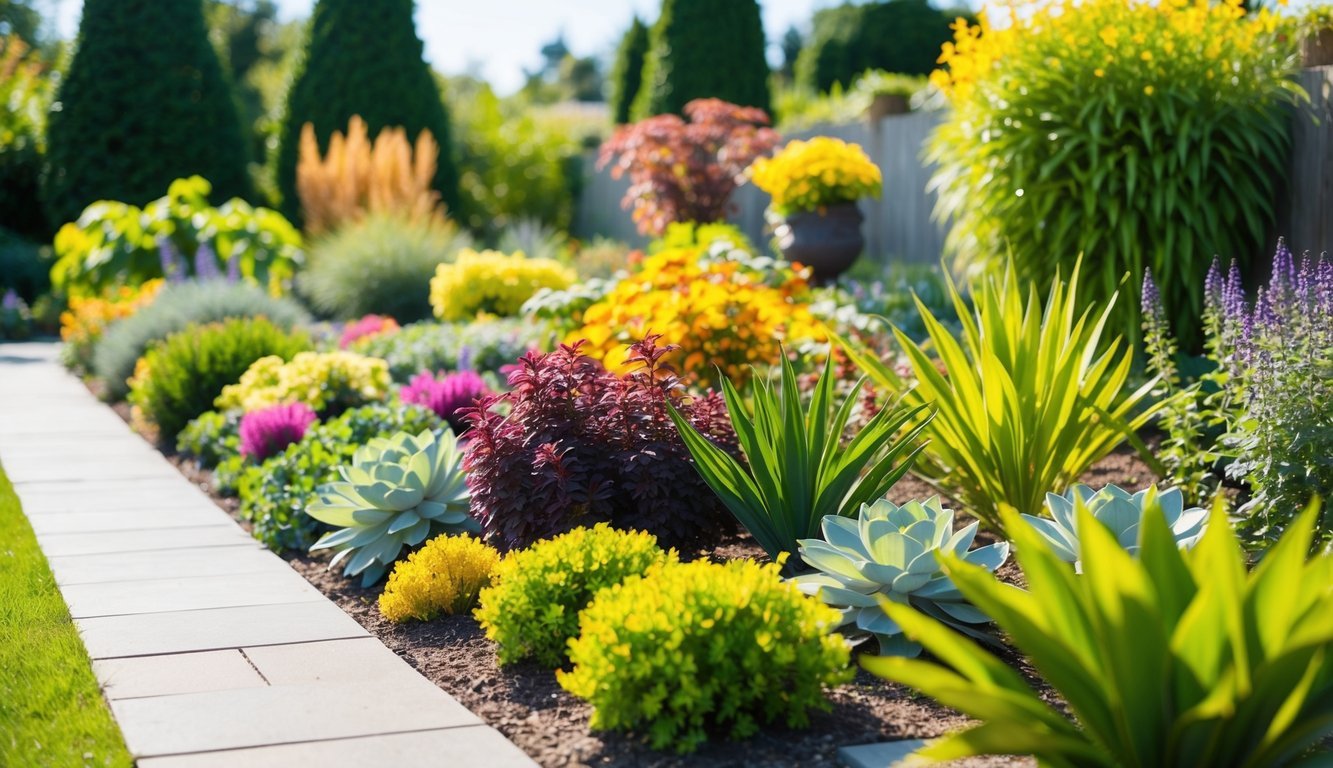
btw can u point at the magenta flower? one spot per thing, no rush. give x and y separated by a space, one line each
267 431
446 395
370 325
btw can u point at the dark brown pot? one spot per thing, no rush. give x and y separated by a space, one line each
886 104
827 241
1317 48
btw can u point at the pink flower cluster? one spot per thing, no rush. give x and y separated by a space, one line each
267 431
445 395
370 325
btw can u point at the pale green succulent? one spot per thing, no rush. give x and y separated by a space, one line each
1121 512
397 492
889 551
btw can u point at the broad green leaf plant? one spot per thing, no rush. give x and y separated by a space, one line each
799 469
1027 397
1171 658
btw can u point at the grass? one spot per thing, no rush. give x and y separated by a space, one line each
51 711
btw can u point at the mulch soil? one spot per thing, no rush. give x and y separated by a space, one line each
525 703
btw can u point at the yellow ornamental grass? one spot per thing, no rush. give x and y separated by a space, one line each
358 177
808 175
721 312
444 576
325 381
492 283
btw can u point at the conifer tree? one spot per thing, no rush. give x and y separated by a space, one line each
704 48
627 73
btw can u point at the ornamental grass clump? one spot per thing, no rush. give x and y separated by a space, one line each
445 576
814 174
269 430
532 609
1173 657
447 395
690 649
1107 127
492 283
891 552
573 444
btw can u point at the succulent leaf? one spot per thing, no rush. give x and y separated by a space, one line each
1120 512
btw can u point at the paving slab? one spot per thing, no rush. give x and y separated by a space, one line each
217 535
127 520
211 629
242 557
281 714
886 754
119 598
176 673
476 746
349 661
88 468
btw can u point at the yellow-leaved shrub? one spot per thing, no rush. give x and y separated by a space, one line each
444 576
328 382
493 283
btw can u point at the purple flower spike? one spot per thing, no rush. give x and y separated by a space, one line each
1151 304
1214 286
205 262
446 395
269 430
172 267
234 268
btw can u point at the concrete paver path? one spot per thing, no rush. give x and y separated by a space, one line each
210 649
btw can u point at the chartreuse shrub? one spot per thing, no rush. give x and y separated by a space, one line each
395 493
689 649
1173 657
176 306
444 576
532 609
493 283
176 236
1120 512
381 264
799 469
890 551
1026 398
274 495
179 379
144 101
328 382
1106 128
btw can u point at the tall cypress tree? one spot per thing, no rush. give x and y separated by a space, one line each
704 48
144 103
363 58
627 73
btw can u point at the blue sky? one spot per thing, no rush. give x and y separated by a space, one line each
504 36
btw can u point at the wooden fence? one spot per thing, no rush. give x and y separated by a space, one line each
1306 218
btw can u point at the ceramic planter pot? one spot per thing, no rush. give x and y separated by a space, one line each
826 240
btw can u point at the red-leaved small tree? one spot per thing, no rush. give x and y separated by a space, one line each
686 171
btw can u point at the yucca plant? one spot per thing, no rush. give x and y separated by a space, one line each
890 551
1028 397
799 470
397 492
1175 657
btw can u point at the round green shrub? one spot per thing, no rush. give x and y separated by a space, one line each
179 378
704 49
1138 135
381 265
363 58
532 607
177 306
144 102
696 647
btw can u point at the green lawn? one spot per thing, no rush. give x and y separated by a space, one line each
51 712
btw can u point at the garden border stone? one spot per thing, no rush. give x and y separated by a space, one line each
197 675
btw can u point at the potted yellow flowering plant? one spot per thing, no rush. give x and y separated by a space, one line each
815 185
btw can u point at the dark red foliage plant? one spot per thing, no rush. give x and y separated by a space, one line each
573 444
686 170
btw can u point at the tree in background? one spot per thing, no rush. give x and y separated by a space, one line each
144 103
627 72
19 18
791 44
562 76
902 36
364 59
704 49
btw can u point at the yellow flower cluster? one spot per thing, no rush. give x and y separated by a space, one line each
88 316
721 312
493 283
807 175
1154 44
324 381
445 576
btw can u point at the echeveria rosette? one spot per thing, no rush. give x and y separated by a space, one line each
397 492
890 551
1122 514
